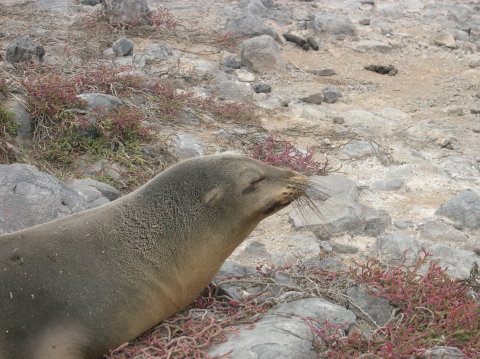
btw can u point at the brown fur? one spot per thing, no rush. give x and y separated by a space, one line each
78 286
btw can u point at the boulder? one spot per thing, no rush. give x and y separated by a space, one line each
23 49
261 54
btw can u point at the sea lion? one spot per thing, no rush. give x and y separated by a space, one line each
75 287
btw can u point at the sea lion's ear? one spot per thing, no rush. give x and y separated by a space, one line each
213 196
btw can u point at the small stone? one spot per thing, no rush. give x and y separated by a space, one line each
364 22
313 43
159 52
325 71
474 63
443 353
378 309
123 47
244 75
382 69
338 120
262 88
455 111
403 224
440 232
232 62
297 40
316 98
464 209
331 94
446 39
127 12
372 45
186 146
389 185
261 54
90 2
23 49
447 142
332 24
343 248
248 25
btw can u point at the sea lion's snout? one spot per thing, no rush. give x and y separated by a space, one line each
292 186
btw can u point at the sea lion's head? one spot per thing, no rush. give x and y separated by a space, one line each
229 191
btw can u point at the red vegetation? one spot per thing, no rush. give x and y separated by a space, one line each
435 310
279 152
163 18
189 334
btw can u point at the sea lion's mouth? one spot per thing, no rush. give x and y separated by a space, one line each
277 206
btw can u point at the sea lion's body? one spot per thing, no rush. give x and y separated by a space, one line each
78 286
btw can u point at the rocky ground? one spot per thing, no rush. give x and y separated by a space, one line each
403 147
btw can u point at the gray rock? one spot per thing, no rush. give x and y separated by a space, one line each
365 21
123 47
282 334
395 246
318 309
128 12
333 186
443 353
458 262
460 35
464 209
97 188
445 39
232 90
254 7
29 197
244 75
230 268
316 98
343 248
248 25
389 185
23 49
331 94
337 209
100 99
159 52
474 63
93 102
261 54
440 232
375 220
189 116
325 71
90 2
369 123
372 45
331 24
232 62
330 263
92 195
254 250
186 146
272 337
378 309
360 149
22 117
403 224
262 88
301 246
